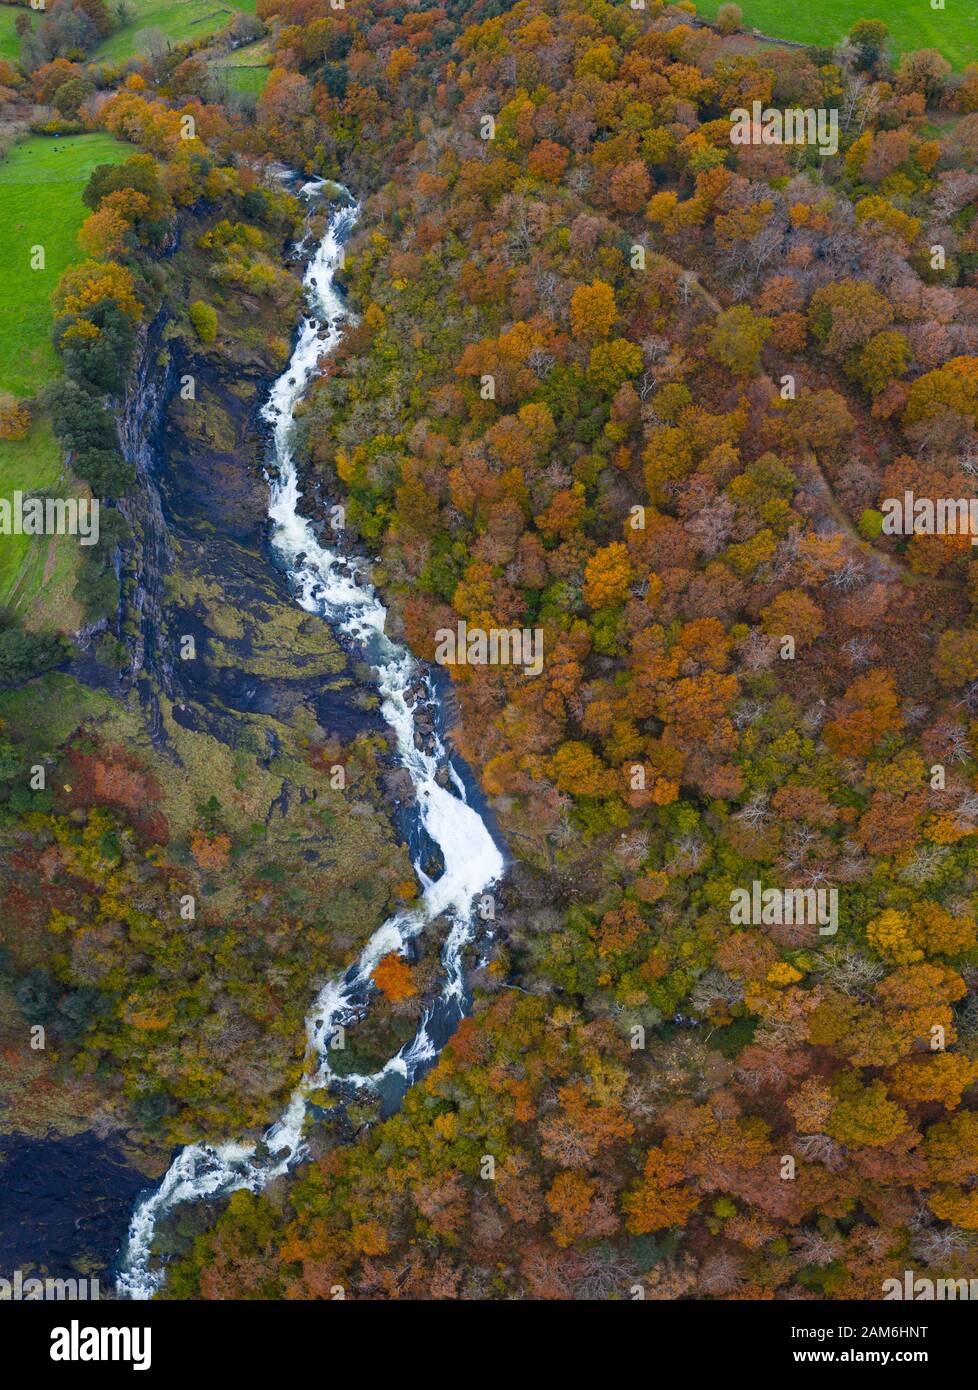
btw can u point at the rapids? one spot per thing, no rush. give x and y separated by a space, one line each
334 587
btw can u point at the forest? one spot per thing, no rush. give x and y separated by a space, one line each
616 379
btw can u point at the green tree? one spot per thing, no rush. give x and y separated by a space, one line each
738 338
868 38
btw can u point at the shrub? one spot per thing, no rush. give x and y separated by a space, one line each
15 418
204 319
27 654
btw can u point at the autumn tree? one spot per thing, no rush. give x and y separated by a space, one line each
394 977
593 310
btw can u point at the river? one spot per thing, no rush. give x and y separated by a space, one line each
335 587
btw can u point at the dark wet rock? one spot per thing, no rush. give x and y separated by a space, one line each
65 1205
280 803
398 785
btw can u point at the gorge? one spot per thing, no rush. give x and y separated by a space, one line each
332 586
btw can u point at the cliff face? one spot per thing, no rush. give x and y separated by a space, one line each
212 631
150 385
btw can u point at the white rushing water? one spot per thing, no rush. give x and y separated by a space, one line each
332 585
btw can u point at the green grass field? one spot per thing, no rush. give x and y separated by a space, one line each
178 20
249 78
245 71
35 571
37 575
9 40
41 183
912 23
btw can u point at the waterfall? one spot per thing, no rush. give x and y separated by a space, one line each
334 587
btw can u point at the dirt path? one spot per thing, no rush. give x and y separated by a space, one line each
50 559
